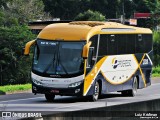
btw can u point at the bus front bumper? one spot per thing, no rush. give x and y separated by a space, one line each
76 91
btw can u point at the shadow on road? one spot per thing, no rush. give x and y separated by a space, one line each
80 99
2 93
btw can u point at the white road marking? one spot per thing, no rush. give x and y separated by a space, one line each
153 84
20 99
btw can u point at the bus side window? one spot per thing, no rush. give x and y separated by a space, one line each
90 61
131 41
112 45
94 41
140 45
121 39
148 42
103 45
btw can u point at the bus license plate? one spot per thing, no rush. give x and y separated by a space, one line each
54 91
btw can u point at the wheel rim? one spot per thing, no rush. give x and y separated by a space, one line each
135 86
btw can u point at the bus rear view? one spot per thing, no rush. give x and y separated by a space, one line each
83 59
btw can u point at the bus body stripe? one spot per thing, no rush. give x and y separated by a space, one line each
143 78
89 79
149 59
139 66
85 64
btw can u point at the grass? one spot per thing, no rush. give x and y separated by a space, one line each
15 88
156 72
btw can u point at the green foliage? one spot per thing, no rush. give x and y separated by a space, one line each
90 16
14 34
109 8
140 6
156 37
69 9
13 39
23 11
156 48
156 71
15 88
154 7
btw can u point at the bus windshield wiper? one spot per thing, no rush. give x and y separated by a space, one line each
52 60
59 61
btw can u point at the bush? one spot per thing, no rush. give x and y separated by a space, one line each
156 48
15 70
156 72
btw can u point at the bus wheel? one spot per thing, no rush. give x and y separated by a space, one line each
49 97
95 96
134 87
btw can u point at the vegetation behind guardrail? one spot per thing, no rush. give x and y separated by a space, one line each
156 71
156 48
14 88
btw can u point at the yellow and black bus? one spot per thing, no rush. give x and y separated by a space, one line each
88 58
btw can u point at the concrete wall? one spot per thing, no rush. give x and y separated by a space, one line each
117 112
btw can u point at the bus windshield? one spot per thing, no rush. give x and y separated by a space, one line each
58 57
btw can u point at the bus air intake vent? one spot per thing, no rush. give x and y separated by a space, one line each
89 23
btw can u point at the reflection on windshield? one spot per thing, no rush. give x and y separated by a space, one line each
52 57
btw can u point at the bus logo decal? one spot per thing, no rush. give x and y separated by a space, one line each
114 63
118 69
120 63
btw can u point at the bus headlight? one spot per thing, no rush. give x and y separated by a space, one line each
36 82
75 84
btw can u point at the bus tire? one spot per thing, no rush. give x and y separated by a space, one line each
133 91
49 97
96 93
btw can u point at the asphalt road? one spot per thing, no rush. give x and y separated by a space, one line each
30 102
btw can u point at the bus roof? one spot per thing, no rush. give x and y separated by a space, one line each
84 30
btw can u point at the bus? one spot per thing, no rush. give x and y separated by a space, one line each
90 58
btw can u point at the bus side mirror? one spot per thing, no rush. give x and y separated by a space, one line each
27 47
86 50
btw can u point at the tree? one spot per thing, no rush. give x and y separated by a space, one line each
65 9
69 9
12 41
23 11
3 3
14 33
140 6
154 7
125 7
90 16
156 48
108 8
